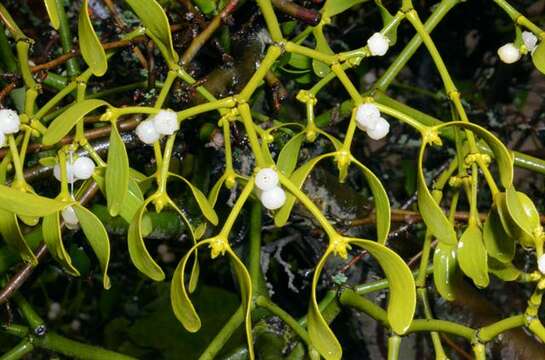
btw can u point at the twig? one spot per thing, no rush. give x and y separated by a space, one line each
307 16
6 90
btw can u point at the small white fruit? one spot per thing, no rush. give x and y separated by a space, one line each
381 130
367 116
166 122
2 140
69 216
83 168
541 264
147 133
9 121
509 53
266 179
273 199
378 44
69 173
529 40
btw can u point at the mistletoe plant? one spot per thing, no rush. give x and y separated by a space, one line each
480 160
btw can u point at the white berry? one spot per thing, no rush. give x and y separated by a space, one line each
541 264
273 199
378 44
367 116
69 173
69 216
9 121
2 140
146 132
530 40
166 122
83 168
266 179
509 53
381 129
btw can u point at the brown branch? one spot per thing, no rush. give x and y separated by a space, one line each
307 16
6 90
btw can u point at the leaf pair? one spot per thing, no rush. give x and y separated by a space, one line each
401 303
183 307
94 232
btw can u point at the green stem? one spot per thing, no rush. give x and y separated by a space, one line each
254 258
270 19
223 336
19 351
35 322
72 65
394 343
284 316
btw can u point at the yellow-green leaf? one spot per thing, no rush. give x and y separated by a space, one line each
472 256
523 212
322 46
334 7
91 49
205 206
504 271
140 256
22 203
117 173
538 57
445 270
68 119
51 231
432 214
14 238
96 235
51 7
498 243
214 192
287 159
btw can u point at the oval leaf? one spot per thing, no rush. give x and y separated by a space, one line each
472 256
287 159
503 271
68 119
498 243
322 46
117 173
51 7
91 49
538 57
205 206
444 270
51 231
334 7
97 237
522 211
12 235
22 203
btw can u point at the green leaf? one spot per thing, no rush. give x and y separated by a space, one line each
334 7
156 22
206 6
538 57
287 159
402 294
117 173
524 214
382 203
444 270
22 203
137 248
205 206
51 7
68 119
14 238
245 285
321 336
322 46
432 214
386 20
299 62
97 237
214 193
472 256
498 243
503 157
51 231
504 271
91 49
298 179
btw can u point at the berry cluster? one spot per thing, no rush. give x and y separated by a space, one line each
81 169
272 195
9 124
369 120
165 122
510 53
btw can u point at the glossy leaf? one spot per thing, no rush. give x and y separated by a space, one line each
29 220
205 206
504 271
522 211
68 119
444 270
22 203
382 203
138 252
117 173
51 7
156 22
498 243
322 46
334 7
298 179
97 237
287 159
51 231
538 57
387 19
432 214
14 238
91 49
472 256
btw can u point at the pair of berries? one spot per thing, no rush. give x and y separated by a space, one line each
9 124
272 195
81 169
509 53
369 120
165 122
